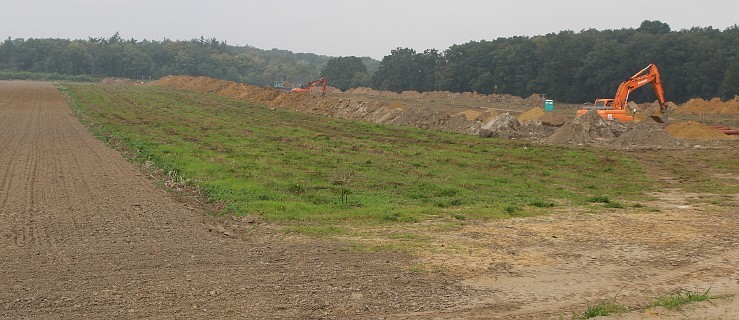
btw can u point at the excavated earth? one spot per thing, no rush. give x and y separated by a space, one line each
483 115
85 234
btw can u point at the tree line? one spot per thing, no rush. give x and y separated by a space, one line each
116 57
574 67
567 66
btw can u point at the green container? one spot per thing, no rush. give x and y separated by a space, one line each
548 105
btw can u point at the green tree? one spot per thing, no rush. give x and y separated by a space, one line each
345 72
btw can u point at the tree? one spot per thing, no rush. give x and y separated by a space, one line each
654 27
404 69
345 72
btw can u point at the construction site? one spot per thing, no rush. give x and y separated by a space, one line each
502 116
90 229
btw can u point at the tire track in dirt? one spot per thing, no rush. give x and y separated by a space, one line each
86 235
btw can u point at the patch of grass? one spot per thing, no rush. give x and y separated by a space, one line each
638 205
599 199
677 300
511 209
416 269
604 308
542 204
301 169
613 204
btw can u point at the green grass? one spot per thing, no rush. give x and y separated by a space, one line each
603 308
677 300
312 170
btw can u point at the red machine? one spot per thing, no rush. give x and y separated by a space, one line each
615 109
308 87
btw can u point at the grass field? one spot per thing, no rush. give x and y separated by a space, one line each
291 167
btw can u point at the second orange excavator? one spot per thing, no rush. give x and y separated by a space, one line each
308 87
615 109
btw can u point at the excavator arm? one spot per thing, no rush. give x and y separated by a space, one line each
650 74
307 88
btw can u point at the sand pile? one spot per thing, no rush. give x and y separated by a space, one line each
714 106
539 116
695 130
531 114
471 115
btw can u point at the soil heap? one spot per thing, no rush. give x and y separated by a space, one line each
714 106
503 126
645 135
531 114
695 130
358 109
539 116
589 128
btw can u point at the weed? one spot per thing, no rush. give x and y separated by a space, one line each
511 209
613 204
674 301
604 308
599 199
542 204
416 269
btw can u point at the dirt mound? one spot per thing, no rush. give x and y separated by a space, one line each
646 135
713 106
539 116
503 126
695 130
496 100
531 114
470 114
359 109
589 128
553 119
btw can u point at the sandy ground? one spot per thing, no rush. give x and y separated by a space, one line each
85 234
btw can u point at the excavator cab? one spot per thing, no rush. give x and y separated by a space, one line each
604 104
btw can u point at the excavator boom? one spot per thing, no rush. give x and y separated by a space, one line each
614 109
307 88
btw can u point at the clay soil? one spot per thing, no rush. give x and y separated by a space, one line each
86 234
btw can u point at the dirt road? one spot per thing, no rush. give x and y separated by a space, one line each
84 234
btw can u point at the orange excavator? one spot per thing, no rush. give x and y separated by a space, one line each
615 109
307 88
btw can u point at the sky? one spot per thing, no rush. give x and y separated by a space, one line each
348 27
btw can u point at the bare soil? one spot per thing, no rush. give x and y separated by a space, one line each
85 234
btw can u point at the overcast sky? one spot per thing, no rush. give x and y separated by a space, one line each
346 27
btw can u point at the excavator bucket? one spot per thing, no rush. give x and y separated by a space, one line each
659 118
